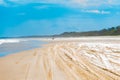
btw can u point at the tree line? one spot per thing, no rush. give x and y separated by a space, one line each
104 32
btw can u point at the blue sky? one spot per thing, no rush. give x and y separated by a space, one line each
44 17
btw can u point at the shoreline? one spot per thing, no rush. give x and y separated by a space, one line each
14 46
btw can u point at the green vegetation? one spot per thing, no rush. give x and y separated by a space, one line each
104 32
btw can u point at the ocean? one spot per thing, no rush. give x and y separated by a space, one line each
9 46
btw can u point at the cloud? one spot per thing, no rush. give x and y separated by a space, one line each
81 2
42 7
96 11
36 1
114 2
70 3
2 2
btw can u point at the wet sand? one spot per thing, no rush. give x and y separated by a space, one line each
64 60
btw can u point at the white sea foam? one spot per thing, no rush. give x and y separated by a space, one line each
9 41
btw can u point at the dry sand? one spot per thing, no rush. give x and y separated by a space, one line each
68 60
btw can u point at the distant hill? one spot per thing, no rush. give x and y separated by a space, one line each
104 32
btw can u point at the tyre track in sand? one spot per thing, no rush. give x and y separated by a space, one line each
63 61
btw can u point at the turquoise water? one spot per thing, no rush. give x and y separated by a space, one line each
9 48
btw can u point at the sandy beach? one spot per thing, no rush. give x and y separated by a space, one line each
65 60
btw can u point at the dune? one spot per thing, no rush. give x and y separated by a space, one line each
64 61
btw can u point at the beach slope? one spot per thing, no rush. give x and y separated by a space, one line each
64 61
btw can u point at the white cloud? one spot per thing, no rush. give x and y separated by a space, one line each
36 1
96 11
114 2
42 7
70 3
2 2
91 11
105 12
